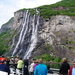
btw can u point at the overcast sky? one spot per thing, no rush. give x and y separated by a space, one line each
8 7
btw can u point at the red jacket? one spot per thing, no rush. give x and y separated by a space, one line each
70 71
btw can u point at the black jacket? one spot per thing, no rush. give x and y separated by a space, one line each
64 68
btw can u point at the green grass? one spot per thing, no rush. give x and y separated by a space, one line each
47 57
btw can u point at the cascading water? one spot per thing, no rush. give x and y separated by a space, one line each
28 35
33 39
21 34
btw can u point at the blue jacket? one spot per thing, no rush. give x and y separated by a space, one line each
4 68
40 69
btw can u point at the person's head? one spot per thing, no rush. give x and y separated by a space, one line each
20 58
64 59
36 61
74 64
40 61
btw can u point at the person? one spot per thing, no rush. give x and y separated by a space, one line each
72 69
25 72
31 66
12 61
26 62
7 62
35 63
64 67
16 60
4 67
2 58
20 64
40 69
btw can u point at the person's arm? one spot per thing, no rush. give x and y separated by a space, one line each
61 68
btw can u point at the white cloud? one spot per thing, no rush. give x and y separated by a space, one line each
7 9
20 4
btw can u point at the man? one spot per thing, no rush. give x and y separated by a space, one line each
4 67
64 67
25 68
72 69
40 69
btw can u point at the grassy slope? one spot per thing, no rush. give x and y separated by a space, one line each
65 7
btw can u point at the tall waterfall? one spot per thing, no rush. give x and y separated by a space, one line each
21 34
28 35
33 38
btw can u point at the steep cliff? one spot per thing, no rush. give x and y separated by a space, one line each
58 34
55 35
34 35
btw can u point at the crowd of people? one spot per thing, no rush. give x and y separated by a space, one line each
26 66
33 67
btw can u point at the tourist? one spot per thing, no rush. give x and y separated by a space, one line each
31 68
16 60
35 63
8 61
26 63
40 69
4 67
20 64
64 67
12 62
72 69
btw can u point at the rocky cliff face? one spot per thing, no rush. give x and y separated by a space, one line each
59 33
56 35
7 26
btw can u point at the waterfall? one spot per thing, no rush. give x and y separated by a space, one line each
28 35
21 33
33 39
24 35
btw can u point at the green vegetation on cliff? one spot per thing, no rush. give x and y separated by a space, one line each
47 57
5 41
64 7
